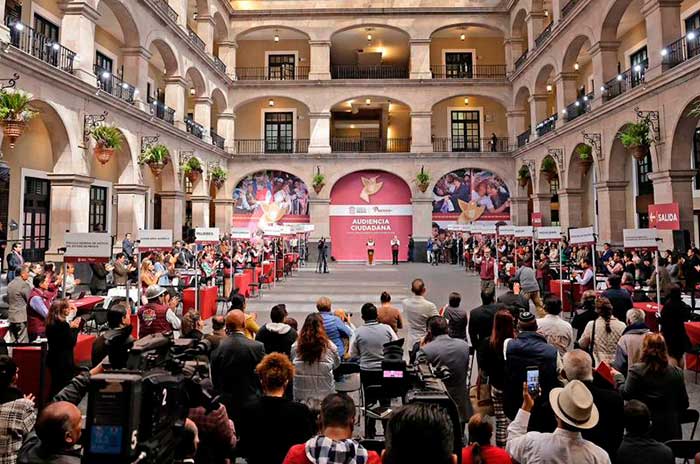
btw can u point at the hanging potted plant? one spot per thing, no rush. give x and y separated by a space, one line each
193 169
218 176
549 169
14 114
422 180
523 175
585 155
318 182
635 138
156 157
108 140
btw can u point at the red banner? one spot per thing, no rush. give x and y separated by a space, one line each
664 216
536 219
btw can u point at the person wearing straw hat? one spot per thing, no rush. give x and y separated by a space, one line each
575 411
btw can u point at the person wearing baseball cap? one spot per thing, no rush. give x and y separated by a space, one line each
158 315
575 411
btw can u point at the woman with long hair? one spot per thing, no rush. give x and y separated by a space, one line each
493 364
601 335
674 314
480 450
62 337
659 385
314 356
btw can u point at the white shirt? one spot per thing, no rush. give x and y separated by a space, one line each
557 331
560 447
416 311
587 276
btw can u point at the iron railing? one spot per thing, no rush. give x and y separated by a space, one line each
275 73
470 144
114 85
625 81
216 139
366 71
195 39
194 128
477 71
546 32
546 126
682 49
167 9
579 107
521 60
161 111
218 64
272 145
39 46
369 145
524 138
566 9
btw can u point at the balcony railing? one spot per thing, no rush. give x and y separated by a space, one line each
167 9
543 35
194 128
566 9
521 60
218 64
524 138
195 39
216 139
546 126
160 111
369 145
114 85
580 106
276 73
682 49
625 81
272 145
478 71
470 144
39 46
361 71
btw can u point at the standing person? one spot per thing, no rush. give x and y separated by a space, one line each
38 307
417 310
556 330
494 142
601 335
98 280
692 273
388 314
674 314
158 314
277 336
18 292
322 261
69 281
456 316
629 346
128 246
526 276
121 270
3 246
62 337
14 261
233 366
370 251
480 449
481 318
620 298
486 271
334 327
395 244
637 446
411 248
586 278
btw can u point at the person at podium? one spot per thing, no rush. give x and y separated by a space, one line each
370 251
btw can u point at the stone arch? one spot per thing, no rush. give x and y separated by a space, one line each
481 93
365 25
576 169
574 48
167 53
358 97
221 30
543 184
242 103
466 24
521 98
543 74
241 35
122 11
617 162
200 84
219 100
63 141
612 18
271 166
683 133
518 24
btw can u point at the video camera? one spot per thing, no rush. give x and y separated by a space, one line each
137 414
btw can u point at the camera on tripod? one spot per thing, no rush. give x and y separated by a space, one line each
136 414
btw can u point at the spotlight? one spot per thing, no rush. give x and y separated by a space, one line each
619 77
462 36
577 103
563 111
192 91
576 66
19 26
637 68
368 101
369 37
549 87
125 85
602 88
277 36
466 100
55 46
105 75
270 102
664 52
691 35
585 98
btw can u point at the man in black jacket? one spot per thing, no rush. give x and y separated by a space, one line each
515 302
481 318
116 342
620 298
277 336
637 446
233 366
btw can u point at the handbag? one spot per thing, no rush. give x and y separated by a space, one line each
480 398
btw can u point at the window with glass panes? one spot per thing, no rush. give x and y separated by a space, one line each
280 67
692 24
465 130
641 58
98 209
279 132
696 157
36 219
46 34
644 184
554 190
458 64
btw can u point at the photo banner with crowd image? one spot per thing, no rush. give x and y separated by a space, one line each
269 198
469 195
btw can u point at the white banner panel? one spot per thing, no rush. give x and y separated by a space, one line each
548 233
369 210
581 235
155 239
522 231
483 229
506 231
88 247
240 233
206 234
640 238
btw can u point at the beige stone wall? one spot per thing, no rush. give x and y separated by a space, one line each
251 53
249 118
50 6
489 50
110 46
629 44
494 116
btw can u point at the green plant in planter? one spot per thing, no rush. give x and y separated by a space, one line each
156 157
523 175
193 165
585 152
107 137
218 176
318 181
422 180
14 106
635 138
694 112
548 165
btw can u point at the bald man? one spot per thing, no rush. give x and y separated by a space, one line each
55 436
233 366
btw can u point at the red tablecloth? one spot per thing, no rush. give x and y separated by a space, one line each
555 287
693 331
82 353
267 269
135 326
280 268
650 310
207 301
87 303
258 273
241 282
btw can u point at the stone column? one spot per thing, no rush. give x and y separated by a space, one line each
542 203
205 31
422 223
420 59
223 218
535 24
663 27
612 211
519 210
176 98
604 58
513 49
320 132
538 109
180 7
136 62
320 60
675 186
556 11
319 209
131 208
517 123
570 208
202 115
4 30
566 89
200 210
226 127
173 212
227 54
80 19
70 195
421 132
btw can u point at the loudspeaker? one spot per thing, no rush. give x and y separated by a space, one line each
681 240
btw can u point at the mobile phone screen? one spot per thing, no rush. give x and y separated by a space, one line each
533 381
